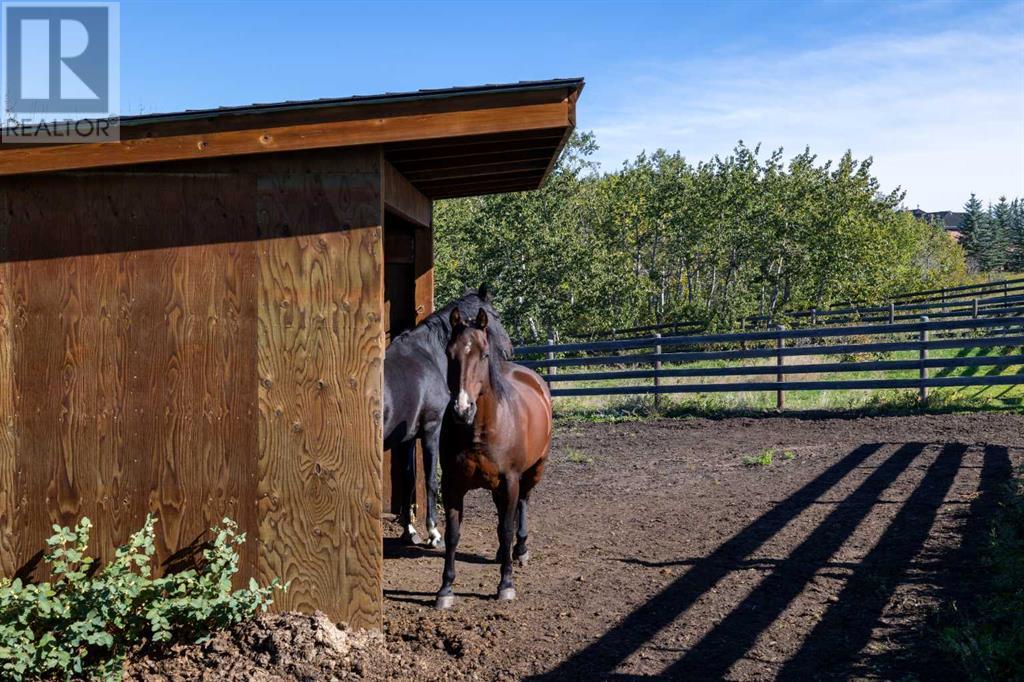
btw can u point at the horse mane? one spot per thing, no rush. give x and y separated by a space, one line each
496 374
437 323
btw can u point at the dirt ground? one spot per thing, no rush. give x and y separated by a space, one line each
657 553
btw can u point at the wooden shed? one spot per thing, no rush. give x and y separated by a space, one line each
193 319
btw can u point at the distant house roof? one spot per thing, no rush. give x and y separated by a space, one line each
948 219
447 142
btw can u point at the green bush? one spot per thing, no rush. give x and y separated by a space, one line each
84 622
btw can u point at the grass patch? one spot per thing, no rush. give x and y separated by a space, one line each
989 645
577 457
764 459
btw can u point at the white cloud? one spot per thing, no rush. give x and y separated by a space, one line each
942 113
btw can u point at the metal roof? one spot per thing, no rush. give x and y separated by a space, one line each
353 100
449 142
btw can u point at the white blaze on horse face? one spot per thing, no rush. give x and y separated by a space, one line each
462 404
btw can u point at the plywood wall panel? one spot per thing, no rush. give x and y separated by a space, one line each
199 345
320 354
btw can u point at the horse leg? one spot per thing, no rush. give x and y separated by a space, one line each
506 499
431 446
453 521
404 455
521 553
526 483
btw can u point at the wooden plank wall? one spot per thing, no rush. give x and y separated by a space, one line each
198 380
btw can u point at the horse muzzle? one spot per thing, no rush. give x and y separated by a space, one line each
464 414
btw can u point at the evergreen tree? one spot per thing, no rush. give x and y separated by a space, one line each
1000 235
1017 234
971 227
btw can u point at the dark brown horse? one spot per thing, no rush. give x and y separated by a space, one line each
496 435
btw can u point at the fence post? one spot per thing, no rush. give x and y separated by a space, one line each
923 354
975 307
552 370
892 312
814 317
780 397
657 371
743 330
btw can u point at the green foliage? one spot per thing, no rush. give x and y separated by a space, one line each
990 646
662 239
83 622
764 459
994 239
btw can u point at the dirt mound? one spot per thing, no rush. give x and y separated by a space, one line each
281 646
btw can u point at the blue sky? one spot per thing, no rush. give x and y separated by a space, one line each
934 91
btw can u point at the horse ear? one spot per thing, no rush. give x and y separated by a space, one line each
484 292
455 319
481 319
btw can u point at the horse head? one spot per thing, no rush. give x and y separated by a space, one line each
468 363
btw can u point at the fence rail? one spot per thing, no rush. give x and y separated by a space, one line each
963 301
1002 332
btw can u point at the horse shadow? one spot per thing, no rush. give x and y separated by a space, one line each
396 548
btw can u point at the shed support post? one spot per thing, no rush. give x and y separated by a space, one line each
657 372
780 396
923 354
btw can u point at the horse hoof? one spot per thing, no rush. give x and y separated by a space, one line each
523 559
436 543
412 539
444 602
507 594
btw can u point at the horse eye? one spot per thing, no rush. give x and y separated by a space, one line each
486 355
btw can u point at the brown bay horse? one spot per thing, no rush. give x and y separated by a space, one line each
496 435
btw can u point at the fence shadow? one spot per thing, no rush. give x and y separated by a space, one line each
834 644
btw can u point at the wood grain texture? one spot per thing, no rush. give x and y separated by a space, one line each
138 312
8 435
402 197
320 347
39 158
77 214
134 383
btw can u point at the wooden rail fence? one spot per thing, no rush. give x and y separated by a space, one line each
778 344
974 300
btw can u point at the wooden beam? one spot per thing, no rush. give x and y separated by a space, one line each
456 152
460 190
477 169
402 197
565 138
479 176
289 138
550 134
519 175
409 168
